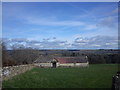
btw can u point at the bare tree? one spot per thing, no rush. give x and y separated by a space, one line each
7 60
24 55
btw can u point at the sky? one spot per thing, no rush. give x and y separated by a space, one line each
61 25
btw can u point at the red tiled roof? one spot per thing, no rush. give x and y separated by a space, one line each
82 59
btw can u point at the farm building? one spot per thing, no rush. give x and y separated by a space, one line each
62 61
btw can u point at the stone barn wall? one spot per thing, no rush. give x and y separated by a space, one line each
8 72
43 64
74 65
62 65
82 64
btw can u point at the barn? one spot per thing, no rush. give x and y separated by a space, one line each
81 61
71 61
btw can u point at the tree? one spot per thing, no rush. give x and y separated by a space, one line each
25 55
7 60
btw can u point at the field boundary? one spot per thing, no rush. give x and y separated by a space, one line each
10 71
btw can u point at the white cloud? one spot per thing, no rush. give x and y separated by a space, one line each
95 45
96 42
108 22
115 11
51 22
90 27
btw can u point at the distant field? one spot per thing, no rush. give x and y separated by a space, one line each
96 76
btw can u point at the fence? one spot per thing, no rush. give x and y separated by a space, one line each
116 82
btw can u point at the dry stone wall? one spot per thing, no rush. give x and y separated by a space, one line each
116 81
0 78
8 72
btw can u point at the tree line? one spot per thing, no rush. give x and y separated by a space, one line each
104 59
23 55
93 58
18 56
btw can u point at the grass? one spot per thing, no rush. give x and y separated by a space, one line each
96 76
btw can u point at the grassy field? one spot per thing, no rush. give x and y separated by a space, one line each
95 76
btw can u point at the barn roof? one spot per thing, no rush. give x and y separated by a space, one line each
81 59
44 59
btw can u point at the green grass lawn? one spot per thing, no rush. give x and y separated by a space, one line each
95 76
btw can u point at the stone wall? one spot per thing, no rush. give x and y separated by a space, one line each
116 81
63 65
8 72
0 78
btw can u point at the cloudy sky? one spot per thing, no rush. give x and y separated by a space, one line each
61 25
